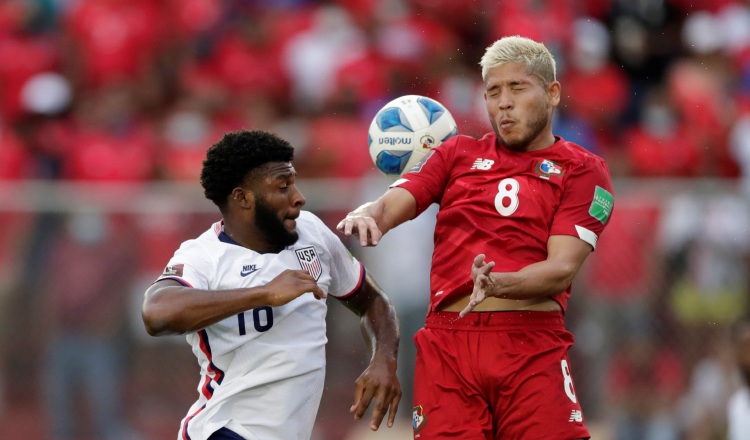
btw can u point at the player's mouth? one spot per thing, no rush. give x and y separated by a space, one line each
506 124
290 222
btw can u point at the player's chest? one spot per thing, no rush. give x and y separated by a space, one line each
506 186
245 268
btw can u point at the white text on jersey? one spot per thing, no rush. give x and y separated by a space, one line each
482 164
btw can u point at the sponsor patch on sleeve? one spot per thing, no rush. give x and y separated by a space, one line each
601 205
174 270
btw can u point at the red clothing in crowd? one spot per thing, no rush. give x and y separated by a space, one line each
115 39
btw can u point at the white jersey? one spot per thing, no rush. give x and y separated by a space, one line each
739 415
262 370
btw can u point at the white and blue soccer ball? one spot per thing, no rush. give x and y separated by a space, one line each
405 130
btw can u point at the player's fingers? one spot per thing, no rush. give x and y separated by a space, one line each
358 390
340 226
487 268
394 408
477 296
348 226
318 292
466 310
368 230
379 410
479 260
364 403
375 235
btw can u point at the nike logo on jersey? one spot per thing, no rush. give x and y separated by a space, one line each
247 269
482 164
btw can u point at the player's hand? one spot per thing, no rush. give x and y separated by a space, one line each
378 381
480 273
291 284
359 223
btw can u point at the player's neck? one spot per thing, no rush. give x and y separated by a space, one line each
248 237
540 143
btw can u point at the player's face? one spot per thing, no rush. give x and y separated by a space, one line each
520 107
278 204
743 353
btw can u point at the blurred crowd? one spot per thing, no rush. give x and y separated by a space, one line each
134 91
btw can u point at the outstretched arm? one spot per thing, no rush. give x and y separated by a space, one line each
565 256
171 308
379 326
372 220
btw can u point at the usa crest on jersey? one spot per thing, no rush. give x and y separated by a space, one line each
309 261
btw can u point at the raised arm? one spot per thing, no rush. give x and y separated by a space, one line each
379 326
372 220
565 256
170 308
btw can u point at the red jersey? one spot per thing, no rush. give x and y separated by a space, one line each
506 205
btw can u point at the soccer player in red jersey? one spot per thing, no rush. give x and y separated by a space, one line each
520 210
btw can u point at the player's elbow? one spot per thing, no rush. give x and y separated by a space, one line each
157 322
155 325
564 278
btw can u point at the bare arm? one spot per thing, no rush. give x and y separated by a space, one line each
372 220
171 308
565 256
380 329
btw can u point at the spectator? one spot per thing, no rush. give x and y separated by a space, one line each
645 381
86 290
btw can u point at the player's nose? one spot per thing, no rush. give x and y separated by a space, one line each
298 200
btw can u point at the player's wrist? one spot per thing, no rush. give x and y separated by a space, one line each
260 296
388 359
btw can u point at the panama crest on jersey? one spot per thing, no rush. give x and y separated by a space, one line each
418 418
546 169
309 261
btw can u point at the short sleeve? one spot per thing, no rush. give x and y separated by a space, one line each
587 202
427 179
188 266
347 273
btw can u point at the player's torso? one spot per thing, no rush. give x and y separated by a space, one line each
498 203
267 337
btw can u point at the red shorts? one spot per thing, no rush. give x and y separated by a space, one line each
495 375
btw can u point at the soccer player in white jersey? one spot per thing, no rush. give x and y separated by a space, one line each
250 292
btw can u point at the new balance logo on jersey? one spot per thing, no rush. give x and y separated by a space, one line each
247 269
482 164
576 416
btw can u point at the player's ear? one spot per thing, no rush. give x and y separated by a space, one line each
553 91
243 198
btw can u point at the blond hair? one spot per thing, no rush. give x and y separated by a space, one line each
521 50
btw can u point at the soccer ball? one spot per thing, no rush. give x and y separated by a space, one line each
405 130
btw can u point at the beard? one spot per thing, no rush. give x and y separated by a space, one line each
534 128
271 226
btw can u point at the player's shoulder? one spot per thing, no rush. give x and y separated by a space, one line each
309 220
578 153
576 159
461 139
465 144
310 225
201 243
